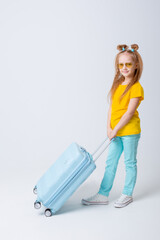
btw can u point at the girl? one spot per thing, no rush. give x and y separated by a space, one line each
123 123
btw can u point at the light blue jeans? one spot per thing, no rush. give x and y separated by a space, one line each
129 144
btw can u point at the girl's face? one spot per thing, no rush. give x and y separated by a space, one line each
127 71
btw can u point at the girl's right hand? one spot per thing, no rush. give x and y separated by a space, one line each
109 130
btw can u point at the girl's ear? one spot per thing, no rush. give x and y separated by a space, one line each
136 65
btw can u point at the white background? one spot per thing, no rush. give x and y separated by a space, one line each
56 69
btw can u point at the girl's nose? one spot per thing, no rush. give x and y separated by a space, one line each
124 66
125 69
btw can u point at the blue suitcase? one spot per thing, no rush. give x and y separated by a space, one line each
62 179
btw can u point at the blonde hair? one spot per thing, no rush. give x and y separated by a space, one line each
119 78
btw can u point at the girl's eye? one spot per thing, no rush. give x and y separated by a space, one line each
129 64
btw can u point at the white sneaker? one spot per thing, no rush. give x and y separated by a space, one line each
97 199
123 201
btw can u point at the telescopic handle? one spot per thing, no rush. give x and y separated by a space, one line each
103 149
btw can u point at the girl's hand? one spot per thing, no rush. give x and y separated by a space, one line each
111 133
109 130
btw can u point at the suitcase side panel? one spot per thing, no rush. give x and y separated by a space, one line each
71 188
56 176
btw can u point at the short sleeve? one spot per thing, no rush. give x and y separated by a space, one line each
137 91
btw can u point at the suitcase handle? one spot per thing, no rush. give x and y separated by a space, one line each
103 149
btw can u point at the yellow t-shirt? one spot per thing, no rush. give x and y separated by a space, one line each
118 109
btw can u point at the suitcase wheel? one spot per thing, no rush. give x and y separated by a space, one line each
37 205
35 190
48 212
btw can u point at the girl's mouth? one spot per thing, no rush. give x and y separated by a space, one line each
125 71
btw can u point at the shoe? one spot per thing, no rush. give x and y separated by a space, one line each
97 199
123 201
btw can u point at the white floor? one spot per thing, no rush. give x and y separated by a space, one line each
19 220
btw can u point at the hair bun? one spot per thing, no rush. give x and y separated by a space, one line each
134 46
120 47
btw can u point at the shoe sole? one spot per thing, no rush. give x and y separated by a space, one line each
123 205
84 202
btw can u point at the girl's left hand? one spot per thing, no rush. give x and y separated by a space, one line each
112 134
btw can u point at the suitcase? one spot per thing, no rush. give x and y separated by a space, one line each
66 174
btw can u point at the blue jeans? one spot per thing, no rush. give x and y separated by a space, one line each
129 144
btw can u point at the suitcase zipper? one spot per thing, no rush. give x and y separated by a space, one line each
48 202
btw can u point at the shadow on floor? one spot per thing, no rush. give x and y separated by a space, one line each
74 202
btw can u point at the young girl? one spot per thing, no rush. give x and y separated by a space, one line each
123 123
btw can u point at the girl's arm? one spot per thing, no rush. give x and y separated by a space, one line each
133 104
109 117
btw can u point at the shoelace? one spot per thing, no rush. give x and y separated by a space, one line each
91 198
95 197
122 198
